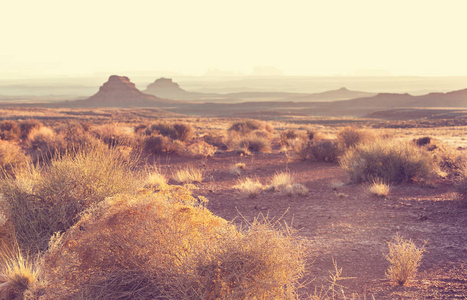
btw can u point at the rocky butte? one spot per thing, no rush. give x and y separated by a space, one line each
119 91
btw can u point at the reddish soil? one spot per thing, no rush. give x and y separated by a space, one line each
348 224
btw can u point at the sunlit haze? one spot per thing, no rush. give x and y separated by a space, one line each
363 37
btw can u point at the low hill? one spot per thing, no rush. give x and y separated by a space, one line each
167 88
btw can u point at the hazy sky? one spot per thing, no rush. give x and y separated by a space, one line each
403 37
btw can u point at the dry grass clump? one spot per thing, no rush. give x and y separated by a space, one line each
188 175
27 126
9 131
254 143
324 150
113 135
162 246
249 125
280 180
158 144
284 182
45 143
155 180
296 189
379 188
249 142
12 159
200 149
175 131
249 187
17 275
391 161
237 169
350 137
404 258
44 200
450 161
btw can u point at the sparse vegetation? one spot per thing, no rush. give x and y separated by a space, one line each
237 169
155 180
188 175
379 188
166 247
200 149
9 131
249 187
391 161
175 131
404 258
12 159
44 200
350 137
247 126
327 151
17 275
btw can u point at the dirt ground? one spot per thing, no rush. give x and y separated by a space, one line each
344 222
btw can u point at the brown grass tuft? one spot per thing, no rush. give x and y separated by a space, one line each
12 159
404 258
379 188
249 187
188 175
200 149
17 275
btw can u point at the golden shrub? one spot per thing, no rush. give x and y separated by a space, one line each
404 258
164 245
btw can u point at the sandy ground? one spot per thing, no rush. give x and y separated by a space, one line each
348 224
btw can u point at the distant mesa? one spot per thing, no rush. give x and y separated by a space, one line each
167 88
119 91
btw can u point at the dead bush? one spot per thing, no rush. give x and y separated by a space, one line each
176 131
27 126
200 149
350 137
254 143
165 246
325 150
157 144
404 258
44 143
215 139
77 137
247 126
391 161
44 200
113 135
9 131
12 159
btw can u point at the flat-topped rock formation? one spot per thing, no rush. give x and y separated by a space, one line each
119 91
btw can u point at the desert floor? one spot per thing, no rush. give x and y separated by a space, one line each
345 223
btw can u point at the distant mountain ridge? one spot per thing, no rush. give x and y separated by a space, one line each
167 88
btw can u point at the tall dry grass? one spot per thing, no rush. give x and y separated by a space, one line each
404 258
12 159
165 246
47 199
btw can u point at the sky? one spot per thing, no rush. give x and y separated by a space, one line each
298 37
